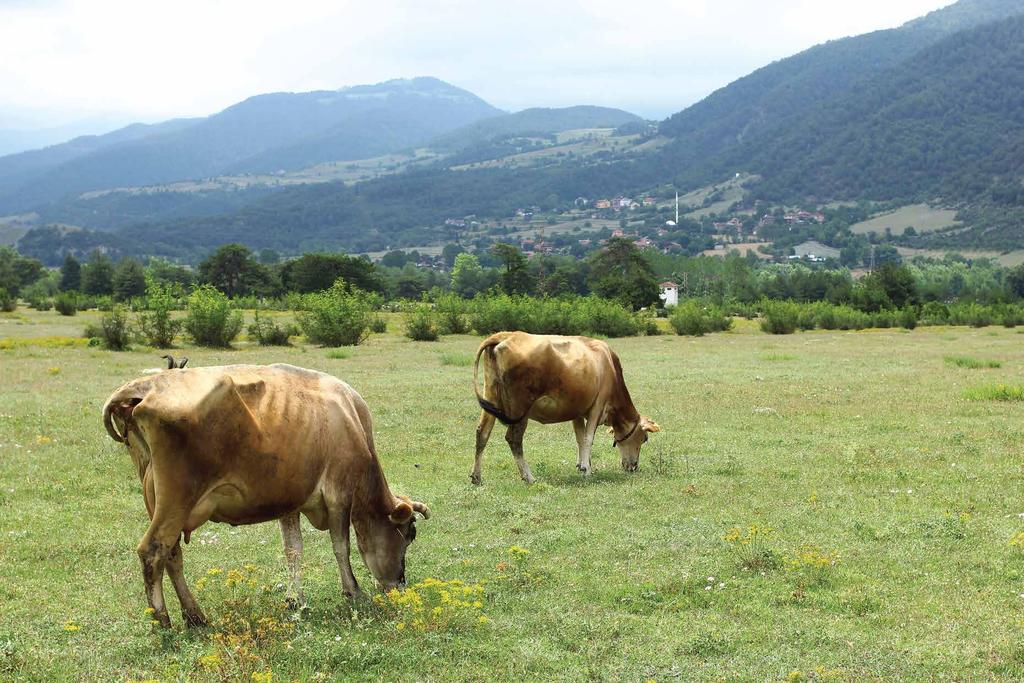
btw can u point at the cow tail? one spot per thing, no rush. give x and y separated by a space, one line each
108 421
487 406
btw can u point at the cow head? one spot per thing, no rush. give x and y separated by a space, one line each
629 442
384 552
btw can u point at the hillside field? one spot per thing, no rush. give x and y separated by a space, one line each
892 501
921 217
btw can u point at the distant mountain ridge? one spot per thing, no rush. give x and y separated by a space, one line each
263 133
536 120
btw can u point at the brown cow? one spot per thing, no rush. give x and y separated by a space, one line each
551 379
244 444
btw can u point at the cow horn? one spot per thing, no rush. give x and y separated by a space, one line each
183 362
170 362
421 508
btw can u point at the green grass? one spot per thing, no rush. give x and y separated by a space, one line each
995 392
972 363
864 450
339 354
459 360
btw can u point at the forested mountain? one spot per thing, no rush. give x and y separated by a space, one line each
535 121
933 110
263 133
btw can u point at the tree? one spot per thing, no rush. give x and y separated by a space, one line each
394 259
467 276
514 278
70 274
233 270
17 271
167 273
897 282
317 272
98 275
449 252
129 279
620 271
1015 281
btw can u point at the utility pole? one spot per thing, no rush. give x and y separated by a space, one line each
677 208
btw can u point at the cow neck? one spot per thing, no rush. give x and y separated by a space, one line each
622 415
372 499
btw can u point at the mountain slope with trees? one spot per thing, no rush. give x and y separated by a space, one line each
266 132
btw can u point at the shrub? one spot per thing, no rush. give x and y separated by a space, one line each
647 322
8 303
907 318
115 332
1012 315
934 313
848 318
780 317
268 333
41 304
156 325
883 319
694 318
594 315
66 303
972 314
451 314
210 320
807 319
103 303
336 316
421 323
579 315
378 325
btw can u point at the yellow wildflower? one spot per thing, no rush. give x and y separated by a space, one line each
71 626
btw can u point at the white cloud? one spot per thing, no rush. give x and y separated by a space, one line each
191 57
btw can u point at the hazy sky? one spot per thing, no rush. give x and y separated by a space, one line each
147 60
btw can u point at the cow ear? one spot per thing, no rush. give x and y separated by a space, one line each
650 426
402 512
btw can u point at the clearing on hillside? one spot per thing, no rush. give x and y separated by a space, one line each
921 217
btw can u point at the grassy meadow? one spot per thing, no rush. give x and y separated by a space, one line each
824 505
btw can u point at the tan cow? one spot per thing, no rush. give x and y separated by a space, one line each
244 444
551 379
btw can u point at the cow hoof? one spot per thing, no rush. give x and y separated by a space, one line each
161 619
529 480
476 479
194 620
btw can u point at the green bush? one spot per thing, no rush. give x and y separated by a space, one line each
647 322
40 304
268 333
210 320
421 323
336 316
907 318
1012 315
570 316
934 313
848 318
780 317
807 319
594 315
973 314
156 325
66 303
451 314
8 303
694 318
378 325
115 331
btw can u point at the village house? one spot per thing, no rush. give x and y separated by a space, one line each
602 204
669 293
648 201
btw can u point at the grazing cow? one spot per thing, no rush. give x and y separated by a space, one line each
551 379
244 444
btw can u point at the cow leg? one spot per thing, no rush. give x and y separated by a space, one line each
338 521
514 437
190 610
587 444
483 433
579 428
291 533
154 550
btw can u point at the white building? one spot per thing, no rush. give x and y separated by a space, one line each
669 293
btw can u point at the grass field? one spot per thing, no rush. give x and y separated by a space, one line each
922 217
893 502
